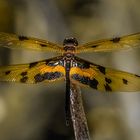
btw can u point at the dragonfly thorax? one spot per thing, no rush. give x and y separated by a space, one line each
69 46
69 56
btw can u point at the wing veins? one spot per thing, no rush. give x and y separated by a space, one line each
111 44
21 42
41 72
104 79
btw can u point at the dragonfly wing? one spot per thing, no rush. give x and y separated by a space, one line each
21 42
102 78
113 44
42 71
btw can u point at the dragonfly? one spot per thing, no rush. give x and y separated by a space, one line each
68 67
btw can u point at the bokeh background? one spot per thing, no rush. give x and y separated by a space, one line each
36 112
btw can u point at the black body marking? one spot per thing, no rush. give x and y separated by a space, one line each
137 75
81 79
38 78
94 83
115 40
94 46
101 69
107 87
82 63
51 75
67 96
86 80
108 80
33 64
76 77
24 73
7 72
43 45
22 38
24 79
46 62
47 76
125 81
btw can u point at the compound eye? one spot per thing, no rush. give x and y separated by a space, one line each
71 41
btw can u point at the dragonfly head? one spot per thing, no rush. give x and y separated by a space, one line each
71 41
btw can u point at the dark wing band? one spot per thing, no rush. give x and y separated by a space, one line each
42 71
102 78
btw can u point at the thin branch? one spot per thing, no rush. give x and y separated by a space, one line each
78 115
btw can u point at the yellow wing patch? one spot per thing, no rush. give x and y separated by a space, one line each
84 72
22 42
104 79
32 73
112 44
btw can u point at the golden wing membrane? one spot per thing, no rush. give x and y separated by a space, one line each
102 78
42 71
21 42
113 44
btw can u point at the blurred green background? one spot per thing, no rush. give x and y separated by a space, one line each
36 112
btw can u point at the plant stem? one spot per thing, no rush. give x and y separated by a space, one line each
78 117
